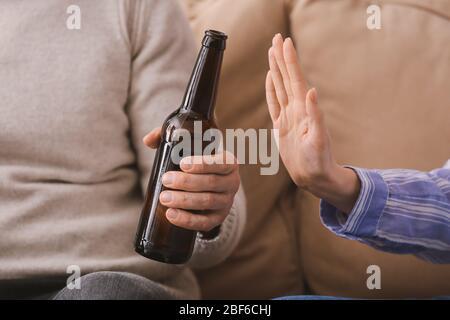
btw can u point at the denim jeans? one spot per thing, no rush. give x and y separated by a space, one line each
115 286
103 285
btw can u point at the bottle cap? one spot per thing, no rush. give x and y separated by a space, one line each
215 39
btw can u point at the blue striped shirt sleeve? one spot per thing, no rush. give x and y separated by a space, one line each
398 211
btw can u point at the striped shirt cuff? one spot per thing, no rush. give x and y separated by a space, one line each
361 223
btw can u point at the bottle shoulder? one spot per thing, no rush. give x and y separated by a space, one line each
185 120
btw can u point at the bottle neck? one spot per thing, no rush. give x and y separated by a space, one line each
201 93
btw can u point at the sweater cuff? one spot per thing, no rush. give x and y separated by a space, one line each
362 221
208 253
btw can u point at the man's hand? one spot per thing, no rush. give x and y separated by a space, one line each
304 142
199 186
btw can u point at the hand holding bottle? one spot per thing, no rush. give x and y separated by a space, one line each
199 186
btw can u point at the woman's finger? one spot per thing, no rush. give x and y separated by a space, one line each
277 80
312 106
298 82
271 97
277 44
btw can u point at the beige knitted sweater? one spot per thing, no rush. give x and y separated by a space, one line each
74 106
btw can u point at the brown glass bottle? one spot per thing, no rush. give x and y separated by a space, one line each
156 237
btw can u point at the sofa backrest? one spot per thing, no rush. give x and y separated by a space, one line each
387 102
266 263
386 96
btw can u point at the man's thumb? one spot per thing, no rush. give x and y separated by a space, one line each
152 139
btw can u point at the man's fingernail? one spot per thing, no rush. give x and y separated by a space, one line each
166 196
172 214
167 179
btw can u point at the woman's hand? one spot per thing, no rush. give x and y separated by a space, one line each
303 139
304 142
199 186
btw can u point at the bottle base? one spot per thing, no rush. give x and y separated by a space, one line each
162 255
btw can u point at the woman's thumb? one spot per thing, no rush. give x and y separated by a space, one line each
312 106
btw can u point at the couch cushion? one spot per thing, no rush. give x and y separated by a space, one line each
266 263
385 94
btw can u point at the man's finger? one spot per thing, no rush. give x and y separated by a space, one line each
224 163
195 200
153 139
176 180
196 222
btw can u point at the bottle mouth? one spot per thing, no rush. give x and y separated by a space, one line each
215 39
216 34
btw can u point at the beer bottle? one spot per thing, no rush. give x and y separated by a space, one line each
156 237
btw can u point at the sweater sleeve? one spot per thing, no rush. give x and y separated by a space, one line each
163 54
162 57
208 253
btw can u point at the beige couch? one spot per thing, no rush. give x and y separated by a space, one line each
386 95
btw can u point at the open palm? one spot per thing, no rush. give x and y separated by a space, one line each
303 139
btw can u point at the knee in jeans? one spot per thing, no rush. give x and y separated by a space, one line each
115 286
